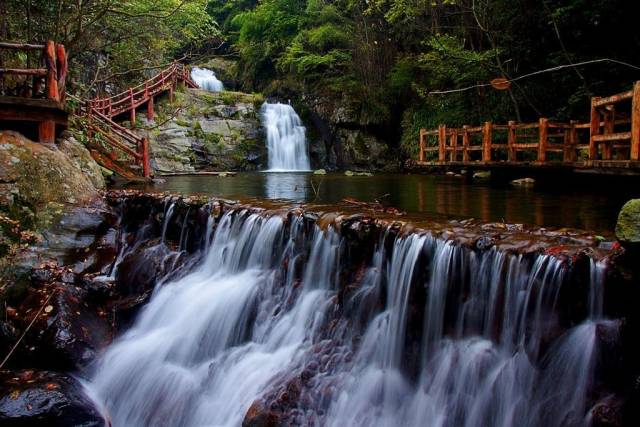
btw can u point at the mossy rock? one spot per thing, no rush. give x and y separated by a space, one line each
628 225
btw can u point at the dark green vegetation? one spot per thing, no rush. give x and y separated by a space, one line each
386 56
378 59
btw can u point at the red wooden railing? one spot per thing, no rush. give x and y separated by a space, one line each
101 111
121 138
612 135
48 82
135 97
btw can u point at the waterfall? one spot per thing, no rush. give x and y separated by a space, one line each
273 321
206 79
286 138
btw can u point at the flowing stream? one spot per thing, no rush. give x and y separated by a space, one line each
206 79
431 333
286 138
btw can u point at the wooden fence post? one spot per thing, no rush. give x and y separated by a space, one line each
487 131
635 122
594 129
52 71
442 142
453 142
543 140
511 141
609 128
150 112
146 169
132 114
570 142
62 69
465 143
422 144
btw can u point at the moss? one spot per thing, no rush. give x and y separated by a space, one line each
183 123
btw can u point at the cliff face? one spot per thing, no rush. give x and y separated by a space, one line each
208 131
342 138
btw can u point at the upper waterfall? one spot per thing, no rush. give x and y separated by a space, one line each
206 79
286 138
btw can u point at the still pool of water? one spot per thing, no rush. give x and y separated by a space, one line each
437 196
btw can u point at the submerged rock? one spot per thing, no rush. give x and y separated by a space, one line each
482 175
40 398
523 182
628 225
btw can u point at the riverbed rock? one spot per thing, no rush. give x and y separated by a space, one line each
482 175
68 333
208 131
40 398
523 182
628 225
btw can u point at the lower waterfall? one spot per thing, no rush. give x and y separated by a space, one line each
427 332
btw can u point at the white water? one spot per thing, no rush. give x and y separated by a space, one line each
206 79
241 325
286 138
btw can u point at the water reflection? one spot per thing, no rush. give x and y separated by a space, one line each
434 196
287 186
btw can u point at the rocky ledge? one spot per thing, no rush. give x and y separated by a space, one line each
105 261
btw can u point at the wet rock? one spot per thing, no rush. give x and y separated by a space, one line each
608 413
523 182
259 416
320 172
482 175
628 225
47 399
68 333
140 270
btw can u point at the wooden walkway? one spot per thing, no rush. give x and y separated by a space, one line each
37 97
37 100
608 143
101 114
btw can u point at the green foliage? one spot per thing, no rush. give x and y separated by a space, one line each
110 44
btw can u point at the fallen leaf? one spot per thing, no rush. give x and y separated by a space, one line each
48 309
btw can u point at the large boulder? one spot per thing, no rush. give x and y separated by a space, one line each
32 399
39 176
628 225
209 131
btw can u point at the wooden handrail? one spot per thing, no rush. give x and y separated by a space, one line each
21 46
604 136
55 71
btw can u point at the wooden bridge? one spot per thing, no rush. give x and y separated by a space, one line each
39 98
608 143
36 96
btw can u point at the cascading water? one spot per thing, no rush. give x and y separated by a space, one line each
423 332
206 79
286 138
